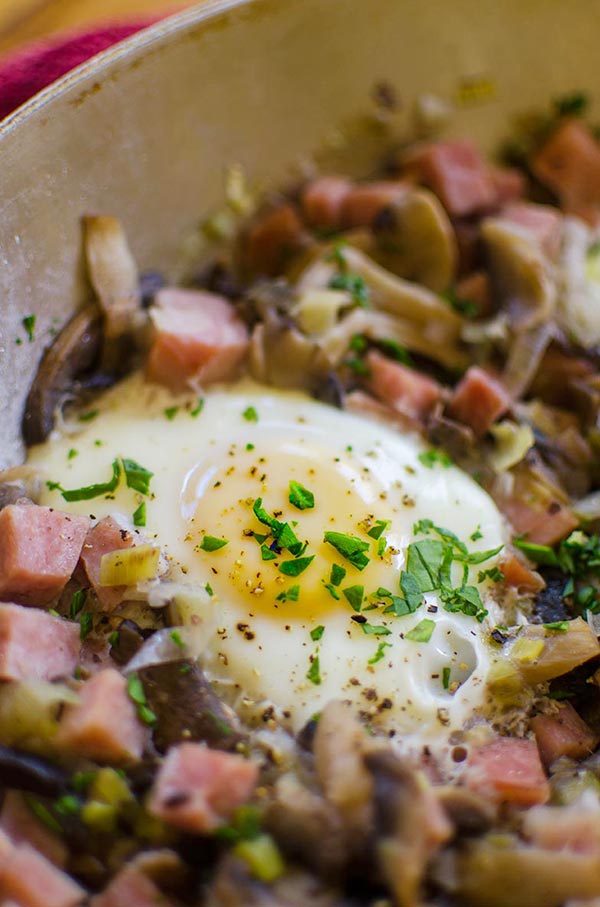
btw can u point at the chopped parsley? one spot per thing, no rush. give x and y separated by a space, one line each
250 414
72 454
370 630
476 535
136 476
394 350
42 813
77 603
539 554
433 457
332 590
317 633
267 554
170 412
337 574
466 600
379 654
358 366
86 625
176 638
381 546
376 531
249 446
493 573
354 596
87 417
300 497
314 672
209 589
195 412
359 343
67 805
463 306
139 515
137 695
29 325
282 533
297 566
350 547
289 595
90 491
559 626
446 678
210 543
353 284
422 631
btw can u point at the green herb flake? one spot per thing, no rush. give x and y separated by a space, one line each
249 446
209 589
463 306
146 715
195 412
559 626
42 813
250 414
67 805
337 574
435 457
29 325
422 632
493 573
317 633
176 638
300 497
394 350
136 476
289 595
354 596
89 491
332 590
378 529
170 412
381 546
476 535
210 543
380 653
371 630
314 672
267 554
113 638
77 603
446 678
350 548
86 625
89 416
358 366
297 566
139 515
539 554
355 285
135 689
574 104
72 453
359 343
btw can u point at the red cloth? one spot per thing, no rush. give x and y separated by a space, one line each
25 72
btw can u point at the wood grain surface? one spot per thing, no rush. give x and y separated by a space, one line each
22 21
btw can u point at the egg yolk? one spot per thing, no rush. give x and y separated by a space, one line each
256 566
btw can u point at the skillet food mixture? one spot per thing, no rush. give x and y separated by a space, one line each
301 578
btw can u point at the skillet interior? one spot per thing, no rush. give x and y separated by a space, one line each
143 131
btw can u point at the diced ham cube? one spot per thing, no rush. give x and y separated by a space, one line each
198 336
508 770
104 537
457 173
475 288
575 827
519 575
406 390
510 184
563 733
365 201
198 789
39 550
22 827
272 240
535 508
30 880
478 400
542 222
36 645
130 888
322 201
104 725
569 164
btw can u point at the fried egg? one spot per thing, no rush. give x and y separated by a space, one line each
313 611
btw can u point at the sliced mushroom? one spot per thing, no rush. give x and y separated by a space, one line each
415 240
73 353
113 274
234 886
525 356
579 299
186 707
521 276
31 773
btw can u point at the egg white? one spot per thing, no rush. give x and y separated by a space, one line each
210 466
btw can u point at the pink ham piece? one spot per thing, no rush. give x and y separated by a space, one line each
39 551
542 222
569 165
104 537
404 389
478 400
36 645
457 173
366 200
30 880
322 201
475 288
198 789
519 575
197 336
510 184
104 725
563 733
575 827
22 827
508 770
130 888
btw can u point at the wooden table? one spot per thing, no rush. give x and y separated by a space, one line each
22 21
